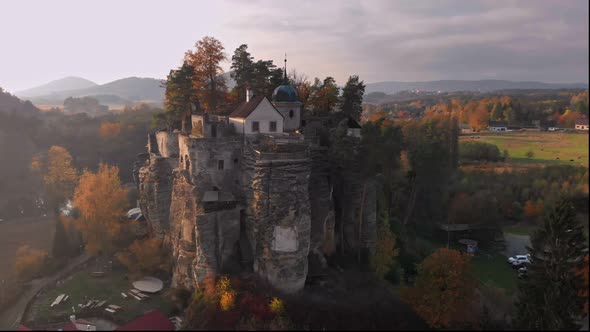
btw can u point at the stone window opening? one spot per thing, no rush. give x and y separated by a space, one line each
235 160
255 126
220 165
187 163
273 127
291 114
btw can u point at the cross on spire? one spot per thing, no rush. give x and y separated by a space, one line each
285 70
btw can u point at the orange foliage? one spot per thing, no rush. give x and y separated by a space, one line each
109 129
530 209
444 292
144 257
101 202
478 120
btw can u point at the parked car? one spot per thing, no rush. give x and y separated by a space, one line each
518 260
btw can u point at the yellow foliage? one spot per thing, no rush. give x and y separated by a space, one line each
144 257
109 129
29 262
101 202
61 177
277 306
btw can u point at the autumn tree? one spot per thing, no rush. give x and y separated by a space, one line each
352 97
323 97
109 129
548 298
479 119
382 261
101 202
146 256
181 96
59 176
301 83
444 291
207 81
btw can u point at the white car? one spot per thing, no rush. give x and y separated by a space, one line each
518 260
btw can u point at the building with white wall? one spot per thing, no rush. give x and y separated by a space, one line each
257 115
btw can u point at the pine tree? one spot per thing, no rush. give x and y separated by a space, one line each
548 299
61 246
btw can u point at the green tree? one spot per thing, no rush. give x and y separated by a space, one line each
61 244
180 96
242 66
352 97
548 299
496 112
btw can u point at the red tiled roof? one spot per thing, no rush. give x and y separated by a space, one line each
582 122
23 328
152 321
245 108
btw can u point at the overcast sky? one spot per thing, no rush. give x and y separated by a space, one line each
103 40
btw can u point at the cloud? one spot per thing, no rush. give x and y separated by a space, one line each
416 40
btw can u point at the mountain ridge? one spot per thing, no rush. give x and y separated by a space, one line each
466 85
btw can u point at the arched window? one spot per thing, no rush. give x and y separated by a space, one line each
291 114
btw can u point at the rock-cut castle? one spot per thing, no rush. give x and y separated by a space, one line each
253 190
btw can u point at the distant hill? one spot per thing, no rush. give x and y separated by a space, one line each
63 84
11 104
458 85
123 91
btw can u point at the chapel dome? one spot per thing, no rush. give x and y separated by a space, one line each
284 94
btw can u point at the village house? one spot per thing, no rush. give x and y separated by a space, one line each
466 129
582 124
498 126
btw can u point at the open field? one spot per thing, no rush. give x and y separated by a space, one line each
547 147
82 287
495 271
35 232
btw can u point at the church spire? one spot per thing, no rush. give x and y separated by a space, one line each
285 70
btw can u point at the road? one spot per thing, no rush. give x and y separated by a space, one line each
11 317
516 244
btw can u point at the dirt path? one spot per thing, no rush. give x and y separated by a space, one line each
11 317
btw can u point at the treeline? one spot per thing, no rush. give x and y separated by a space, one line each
517 108
112 138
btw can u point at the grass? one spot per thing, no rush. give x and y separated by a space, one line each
107 288
546 146
495 271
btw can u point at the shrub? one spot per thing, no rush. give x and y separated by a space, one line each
530 154
277 306
479 151
227 300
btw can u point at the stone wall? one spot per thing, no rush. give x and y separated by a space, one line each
167 144
155 186
278 218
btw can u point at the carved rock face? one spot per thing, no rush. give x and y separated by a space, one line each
281 211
